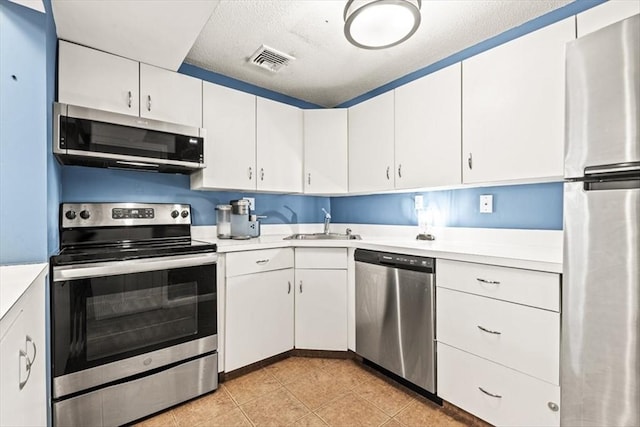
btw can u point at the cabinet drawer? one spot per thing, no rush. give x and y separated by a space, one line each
239 263
331 258
523 401
534 288
520 337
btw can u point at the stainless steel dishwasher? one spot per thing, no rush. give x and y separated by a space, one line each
395 314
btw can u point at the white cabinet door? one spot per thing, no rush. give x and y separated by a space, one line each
169 96
321 309
23 398
259 322
428 130
371 136
495 393
605 14
279 146
95 79
229 118
325 151
513 108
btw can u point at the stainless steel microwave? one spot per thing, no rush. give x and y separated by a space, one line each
89 137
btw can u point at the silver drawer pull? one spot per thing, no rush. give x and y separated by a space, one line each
488 282
28 361
289 289
497 396
553 406
489 331
300 286
262 261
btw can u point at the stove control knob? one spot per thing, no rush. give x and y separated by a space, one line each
174 214
184 214
70 214
85 214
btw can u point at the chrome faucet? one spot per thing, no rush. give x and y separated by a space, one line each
327 221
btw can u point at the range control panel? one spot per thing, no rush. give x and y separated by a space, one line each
123 214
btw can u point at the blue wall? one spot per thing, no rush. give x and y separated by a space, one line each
53 167
531 206
83 184
23 135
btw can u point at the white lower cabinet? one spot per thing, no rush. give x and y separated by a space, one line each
525 338
321 299
23 353
259 309
495 393
498 333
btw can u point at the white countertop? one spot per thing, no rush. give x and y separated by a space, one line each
14 281
528 249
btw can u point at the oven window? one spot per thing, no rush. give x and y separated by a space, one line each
99 320
140 316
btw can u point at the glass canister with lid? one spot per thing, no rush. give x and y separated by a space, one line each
223 221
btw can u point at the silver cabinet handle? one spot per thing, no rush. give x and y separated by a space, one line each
400 171
388 168
262 261
300 286
250 173
309 178
489 331
553 406
470 161
497 396
488 282
289 290
130 100
261 174
149 102
28 361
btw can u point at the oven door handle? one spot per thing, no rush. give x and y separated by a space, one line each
85 271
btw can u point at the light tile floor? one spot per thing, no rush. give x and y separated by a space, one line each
301 391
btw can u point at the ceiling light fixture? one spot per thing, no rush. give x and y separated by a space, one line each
378 24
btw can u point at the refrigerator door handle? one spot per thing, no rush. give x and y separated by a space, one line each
611 169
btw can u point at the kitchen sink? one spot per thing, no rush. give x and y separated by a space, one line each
323 236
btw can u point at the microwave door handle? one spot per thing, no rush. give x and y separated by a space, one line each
76 272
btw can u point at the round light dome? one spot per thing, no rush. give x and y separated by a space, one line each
378 24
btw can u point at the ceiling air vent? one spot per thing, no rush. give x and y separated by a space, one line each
270 59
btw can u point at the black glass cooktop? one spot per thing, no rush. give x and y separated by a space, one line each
124 250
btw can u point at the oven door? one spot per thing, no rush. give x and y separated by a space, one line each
116 319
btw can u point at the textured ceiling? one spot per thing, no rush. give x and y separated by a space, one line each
327 69
220 35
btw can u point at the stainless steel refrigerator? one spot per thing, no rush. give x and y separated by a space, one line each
600 351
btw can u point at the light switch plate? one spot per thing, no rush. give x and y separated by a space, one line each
486 203
252 202
418 202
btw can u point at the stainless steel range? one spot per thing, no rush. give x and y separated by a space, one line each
133 313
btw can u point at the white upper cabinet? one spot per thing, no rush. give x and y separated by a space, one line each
169 96
96 79
428 130
513 108
229 117
279 147
371 136
606 14
325 151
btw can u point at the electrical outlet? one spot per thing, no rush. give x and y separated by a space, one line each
252 202
486 203
418 202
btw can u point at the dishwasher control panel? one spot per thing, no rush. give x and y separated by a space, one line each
396 260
